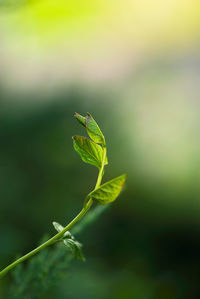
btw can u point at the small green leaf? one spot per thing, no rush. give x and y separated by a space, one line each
109 191
58 226
92 127
67 235
70 242
80 118
76 248
89 151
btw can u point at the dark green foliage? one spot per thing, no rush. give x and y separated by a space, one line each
41 273
48 267
89 219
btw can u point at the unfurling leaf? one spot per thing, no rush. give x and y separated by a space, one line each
92 127
109 191
76 248
89 151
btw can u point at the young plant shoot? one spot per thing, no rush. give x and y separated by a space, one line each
93 151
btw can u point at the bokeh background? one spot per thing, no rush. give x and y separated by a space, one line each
135 65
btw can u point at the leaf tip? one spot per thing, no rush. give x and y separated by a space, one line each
80 119
76 137
125 176
57 226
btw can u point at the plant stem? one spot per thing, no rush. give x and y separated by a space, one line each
47 243
98 183
84 210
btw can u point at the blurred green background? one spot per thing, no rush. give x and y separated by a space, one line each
135 66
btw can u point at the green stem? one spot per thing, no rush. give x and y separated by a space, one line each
47 243
98 183
60 234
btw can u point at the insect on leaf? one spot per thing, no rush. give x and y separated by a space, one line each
109 191
89 151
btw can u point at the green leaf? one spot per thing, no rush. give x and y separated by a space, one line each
92 127
76 248
81 119
109 191
59 228
89 151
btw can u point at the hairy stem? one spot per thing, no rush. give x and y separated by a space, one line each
52 240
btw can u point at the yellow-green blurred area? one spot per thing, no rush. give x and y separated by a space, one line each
135 66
